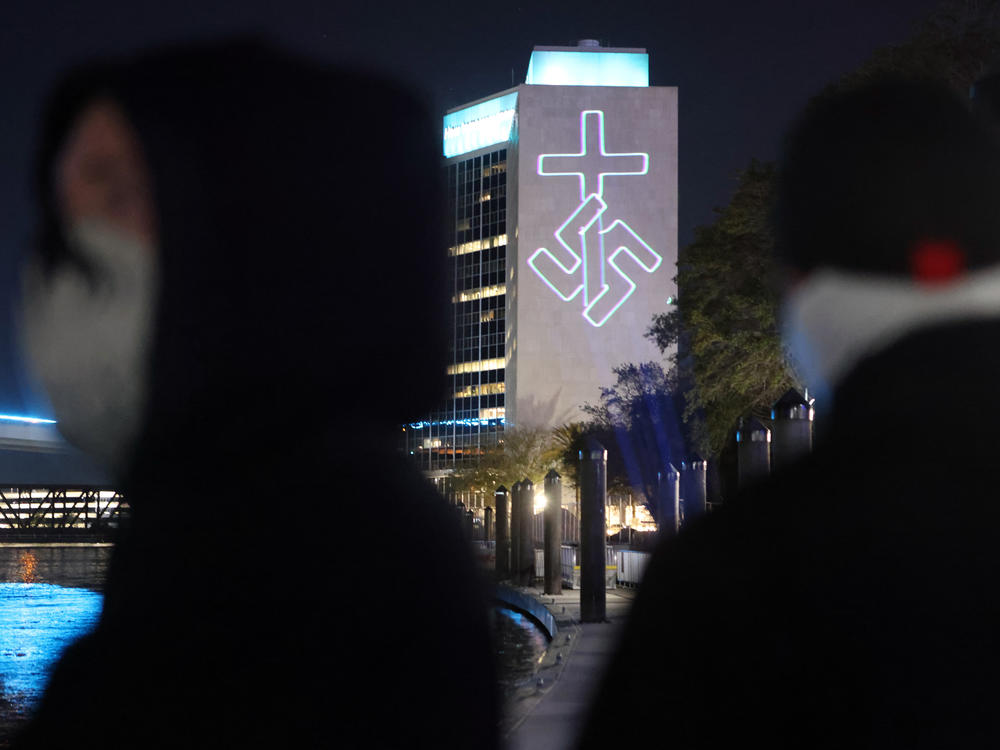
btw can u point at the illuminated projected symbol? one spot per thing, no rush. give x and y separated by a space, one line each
593 163
589 258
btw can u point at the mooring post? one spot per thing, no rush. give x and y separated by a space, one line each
488 524
553 533
515 532
792 419
694 487
502 501
668 501
593 539
526 565
753 451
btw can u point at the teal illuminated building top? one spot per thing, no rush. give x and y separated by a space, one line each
588 65
492 121
483 124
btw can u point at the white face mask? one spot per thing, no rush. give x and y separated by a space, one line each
89 341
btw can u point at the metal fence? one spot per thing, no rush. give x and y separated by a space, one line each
631 565
625 567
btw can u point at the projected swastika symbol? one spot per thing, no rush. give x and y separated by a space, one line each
596 261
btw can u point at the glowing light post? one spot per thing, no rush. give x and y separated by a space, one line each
598 260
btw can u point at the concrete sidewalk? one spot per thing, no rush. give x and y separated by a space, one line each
548 714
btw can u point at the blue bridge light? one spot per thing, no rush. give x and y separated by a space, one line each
25 420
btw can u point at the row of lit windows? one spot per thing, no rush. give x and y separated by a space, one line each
474 246
469 311
482 292
483 364
485 389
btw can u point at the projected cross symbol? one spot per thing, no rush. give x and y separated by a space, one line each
593 163
581 263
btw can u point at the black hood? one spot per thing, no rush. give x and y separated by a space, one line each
302 252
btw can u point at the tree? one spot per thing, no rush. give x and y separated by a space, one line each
727 312
638 420
568 441
522 452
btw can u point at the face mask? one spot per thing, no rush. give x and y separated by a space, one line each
88 338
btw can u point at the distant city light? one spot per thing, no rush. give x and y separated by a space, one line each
461 422
27 420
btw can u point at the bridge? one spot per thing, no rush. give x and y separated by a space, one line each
49 491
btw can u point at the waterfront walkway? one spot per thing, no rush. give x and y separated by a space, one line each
548 714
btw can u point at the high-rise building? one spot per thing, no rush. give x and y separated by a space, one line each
563 201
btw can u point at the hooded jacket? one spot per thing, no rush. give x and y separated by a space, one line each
287 578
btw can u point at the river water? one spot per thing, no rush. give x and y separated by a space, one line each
520 644
50 594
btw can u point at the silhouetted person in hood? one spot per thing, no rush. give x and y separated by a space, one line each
850 600
237 295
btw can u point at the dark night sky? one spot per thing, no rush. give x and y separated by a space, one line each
743 69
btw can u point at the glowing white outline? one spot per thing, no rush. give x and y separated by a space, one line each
579 260
583 152
612 262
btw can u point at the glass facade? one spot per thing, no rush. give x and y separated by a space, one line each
472 418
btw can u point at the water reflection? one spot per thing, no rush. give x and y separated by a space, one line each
37 622
77 565
520 644
49 597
